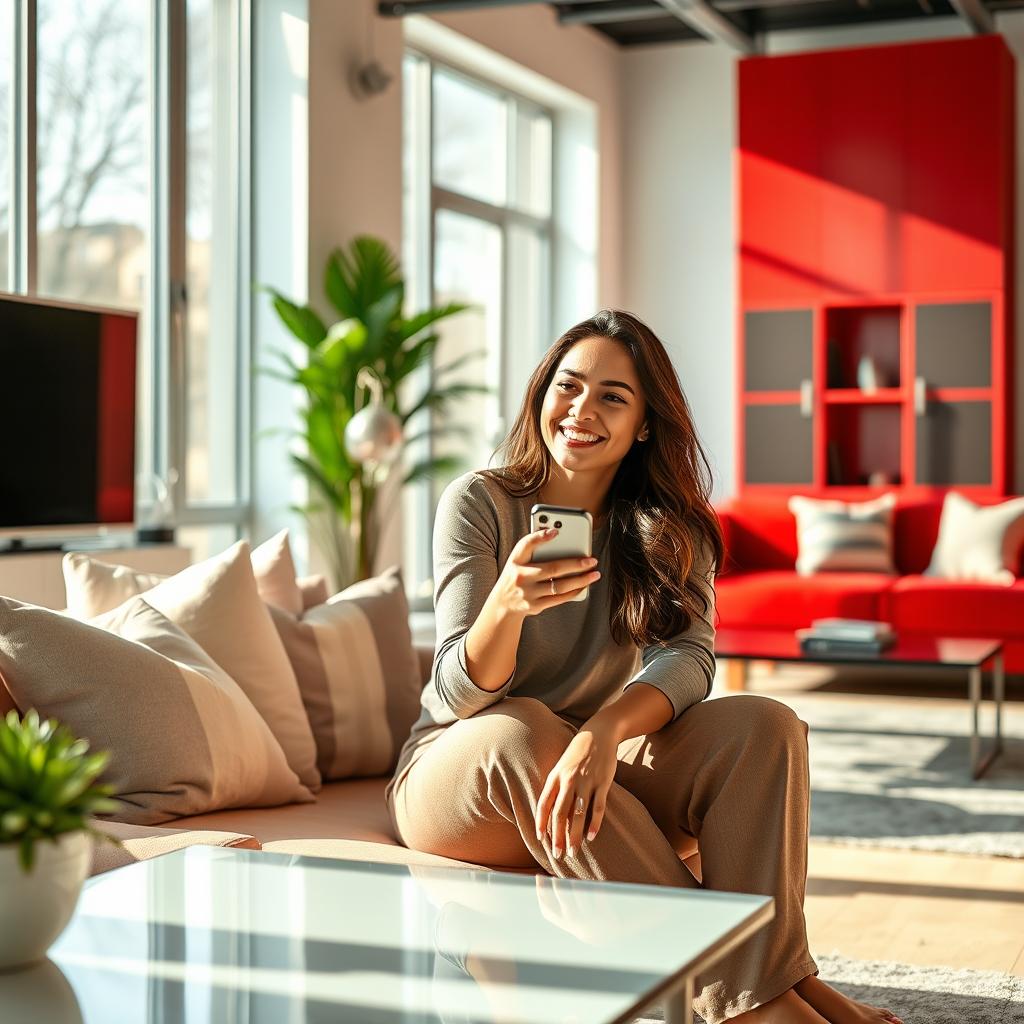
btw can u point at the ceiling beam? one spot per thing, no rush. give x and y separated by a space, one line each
975 14
399 8
611 12
702 17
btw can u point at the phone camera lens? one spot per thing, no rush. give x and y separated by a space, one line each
543 519
558 523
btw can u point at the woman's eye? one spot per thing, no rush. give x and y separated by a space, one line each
564 385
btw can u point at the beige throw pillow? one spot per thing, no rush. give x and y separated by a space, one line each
978 542
274 568
218 604
838 536
184 738
313 590
358 674
94 587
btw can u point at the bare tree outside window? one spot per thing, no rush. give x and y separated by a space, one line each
92 150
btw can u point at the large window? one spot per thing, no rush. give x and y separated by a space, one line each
128 141
478 229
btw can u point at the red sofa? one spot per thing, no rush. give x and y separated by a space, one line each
759 587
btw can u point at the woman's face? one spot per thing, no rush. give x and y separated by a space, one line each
595 389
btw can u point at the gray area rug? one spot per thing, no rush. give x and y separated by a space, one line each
886 773
925 995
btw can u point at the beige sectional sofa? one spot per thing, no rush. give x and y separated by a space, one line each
348 821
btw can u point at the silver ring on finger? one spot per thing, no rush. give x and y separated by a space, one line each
552 582
578 809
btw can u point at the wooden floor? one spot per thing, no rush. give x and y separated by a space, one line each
915 907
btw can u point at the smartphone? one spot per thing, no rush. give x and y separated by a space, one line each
575 534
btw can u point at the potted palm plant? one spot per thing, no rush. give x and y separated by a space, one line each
359 366
48 790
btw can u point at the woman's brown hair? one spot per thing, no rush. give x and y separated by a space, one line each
660 513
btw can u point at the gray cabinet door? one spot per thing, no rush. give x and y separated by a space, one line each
953 343
777 445
777 349
954 443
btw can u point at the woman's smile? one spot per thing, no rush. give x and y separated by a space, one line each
576 437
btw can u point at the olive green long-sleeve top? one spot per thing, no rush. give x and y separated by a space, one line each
566 657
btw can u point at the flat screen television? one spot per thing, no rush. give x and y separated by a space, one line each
67 409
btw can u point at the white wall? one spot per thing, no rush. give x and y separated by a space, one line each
679 112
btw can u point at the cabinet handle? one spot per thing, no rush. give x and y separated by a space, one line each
920 396
806 399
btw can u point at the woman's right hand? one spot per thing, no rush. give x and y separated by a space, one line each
525 588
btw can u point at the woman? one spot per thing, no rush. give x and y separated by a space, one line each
575 735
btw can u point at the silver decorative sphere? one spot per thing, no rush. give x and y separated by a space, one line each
373 434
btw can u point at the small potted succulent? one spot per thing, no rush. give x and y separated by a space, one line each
48 789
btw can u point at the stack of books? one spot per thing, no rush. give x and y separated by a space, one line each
846 636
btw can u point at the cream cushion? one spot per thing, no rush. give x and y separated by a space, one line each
183 736
274 569
140 842
358 674
217 603
314 591
93 586
978 542
838 536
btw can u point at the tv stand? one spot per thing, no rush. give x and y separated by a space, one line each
18 546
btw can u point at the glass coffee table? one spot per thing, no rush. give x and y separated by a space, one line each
208 935
972 655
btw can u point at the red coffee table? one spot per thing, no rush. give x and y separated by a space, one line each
746 645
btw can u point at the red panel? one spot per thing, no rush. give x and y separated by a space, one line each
954 225
863 139
779 181
116 461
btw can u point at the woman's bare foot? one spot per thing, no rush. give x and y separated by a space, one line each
837 1008
788 1008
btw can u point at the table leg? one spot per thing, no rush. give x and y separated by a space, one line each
999 693
974 689
980 764
736 675
679 1004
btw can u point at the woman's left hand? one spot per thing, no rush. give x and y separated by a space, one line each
576 790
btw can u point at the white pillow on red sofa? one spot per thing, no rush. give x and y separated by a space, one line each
978 542
840 536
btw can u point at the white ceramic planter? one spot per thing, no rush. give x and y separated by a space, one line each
39 904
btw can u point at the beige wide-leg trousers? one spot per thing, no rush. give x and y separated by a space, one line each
730 771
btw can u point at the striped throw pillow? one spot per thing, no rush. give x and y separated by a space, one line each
358 675
837 536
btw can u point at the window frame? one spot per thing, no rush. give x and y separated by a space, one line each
428 199
163 347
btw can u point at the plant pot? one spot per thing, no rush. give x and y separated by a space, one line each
39 903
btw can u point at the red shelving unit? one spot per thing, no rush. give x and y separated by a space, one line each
876 227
